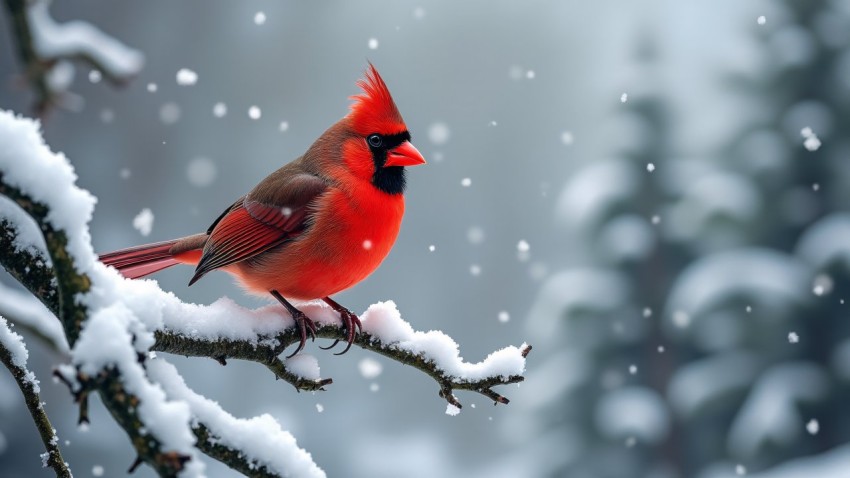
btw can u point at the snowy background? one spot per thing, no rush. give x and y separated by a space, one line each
625 185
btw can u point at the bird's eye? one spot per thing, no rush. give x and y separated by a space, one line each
375 140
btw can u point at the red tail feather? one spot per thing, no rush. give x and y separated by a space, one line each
140 261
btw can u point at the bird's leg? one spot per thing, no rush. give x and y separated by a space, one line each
350 323
302 321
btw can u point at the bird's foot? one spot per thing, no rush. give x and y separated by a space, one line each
304 323
350 323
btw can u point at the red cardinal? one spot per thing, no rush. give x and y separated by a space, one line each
314 227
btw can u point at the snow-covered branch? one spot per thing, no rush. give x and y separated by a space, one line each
14 355
46 49
384 332
112 324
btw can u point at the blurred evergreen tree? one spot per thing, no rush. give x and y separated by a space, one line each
704 332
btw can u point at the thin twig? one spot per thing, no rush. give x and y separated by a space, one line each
25 380
37 65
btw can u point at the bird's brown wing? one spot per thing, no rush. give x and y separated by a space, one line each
273 213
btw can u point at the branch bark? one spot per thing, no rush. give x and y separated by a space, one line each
175 343
26 382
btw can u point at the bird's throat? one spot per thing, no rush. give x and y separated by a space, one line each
390 180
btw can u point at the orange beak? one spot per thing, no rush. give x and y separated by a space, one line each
404 154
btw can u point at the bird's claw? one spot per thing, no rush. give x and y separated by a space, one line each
350 323
305 325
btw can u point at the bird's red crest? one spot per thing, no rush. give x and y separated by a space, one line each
374 111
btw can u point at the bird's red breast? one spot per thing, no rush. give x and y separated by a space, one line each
352 233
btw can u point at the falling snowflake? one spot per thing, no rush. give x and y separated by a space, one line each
254 112
661 349
647 312
656 219
811 142
95 76
633 369
466 182
439 133
504 316
219 110
823 285
97 470
567 137
681 319
260 18
624 97
143 222
475 270
370 368
530 74
284 126
793 337
186 77
650 167
740 470
813 427
761 20
367 244
373 43
320 408
152 87
432 248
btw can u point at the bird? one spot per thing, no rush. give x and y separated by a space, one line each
315 227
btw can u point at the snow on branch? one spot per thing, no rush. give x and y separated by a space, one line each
14 355
46 48
384 332
274 451
112 324
28 313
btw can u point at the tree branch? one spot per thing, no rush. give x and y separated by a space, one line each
121 404
73 41
28 267
29 388
261 352
68 283
210 444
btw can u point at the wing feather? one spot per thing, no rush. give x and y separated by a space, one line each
252 225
